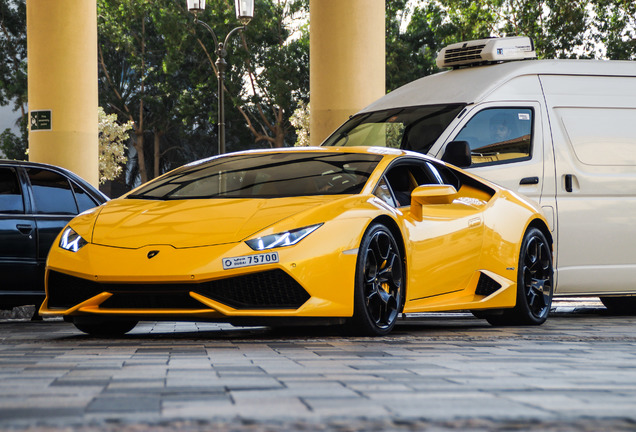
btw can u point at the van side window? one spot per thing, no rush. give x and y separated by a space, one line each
499 135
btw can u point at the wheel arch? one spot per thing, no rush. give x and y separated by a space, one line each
543 227
392 225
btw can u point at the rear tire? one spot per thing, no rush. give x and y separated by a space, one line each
535 287
379 283
620 305
103 326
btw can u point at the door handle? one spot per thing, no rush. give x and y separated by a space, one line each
529 181
24 228
568 183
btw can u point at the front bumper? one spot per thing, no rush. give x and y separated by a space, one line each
310 280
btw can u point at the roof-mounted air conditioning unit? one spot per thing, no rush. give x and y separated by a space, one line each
486 51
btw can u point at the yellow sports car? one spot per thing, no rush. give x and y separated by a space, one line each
351 236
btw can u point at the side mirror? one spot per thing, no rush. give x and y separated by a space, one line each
457 153
430 195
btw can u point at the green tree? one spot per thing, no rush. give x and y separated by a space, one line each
135 69
12 146
615 26
270 69
13 69
559 29
157 69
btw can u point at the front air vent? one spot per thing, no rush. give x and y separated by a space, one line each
272 289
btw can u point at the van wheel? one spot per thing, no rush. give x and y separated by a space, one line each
103 326
379 283
535 286
620 305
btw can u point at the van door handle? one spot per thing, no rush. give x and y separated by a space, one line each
24 229
529 181
568 182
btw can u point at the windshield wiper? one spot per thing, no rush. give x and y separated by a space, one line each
144 197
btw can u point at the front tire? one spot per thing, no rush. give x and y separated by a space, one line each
379 284
103 326
535 287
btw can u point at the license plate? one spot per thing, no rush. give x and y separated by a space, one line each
250 260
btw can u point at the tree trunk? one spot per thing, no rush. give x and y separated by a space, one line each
139 146
157 153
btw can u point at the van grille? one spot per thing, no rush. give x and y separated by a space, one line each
463 54
273 289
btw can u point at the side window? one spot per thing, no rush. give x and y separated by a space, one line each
382 191
403 178
52 192
84 201
499 135
10 192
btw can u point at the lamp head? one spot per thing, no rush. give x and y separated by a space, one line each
196 6
244 11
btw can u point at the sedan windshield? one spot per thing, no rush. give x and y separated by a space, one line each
412 128
267 175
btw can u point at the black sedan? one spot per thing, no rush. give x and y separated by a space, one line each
36 202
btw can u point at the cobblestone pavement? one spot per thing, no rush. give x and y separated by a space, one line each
434 372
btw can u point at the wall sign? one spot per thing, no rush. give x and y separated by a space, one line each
41 120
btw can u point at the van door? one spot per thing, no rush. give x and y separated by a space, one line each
506 142
595 155
508 148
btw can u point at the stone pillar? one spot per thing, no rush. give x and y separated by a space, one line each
347 61
62 53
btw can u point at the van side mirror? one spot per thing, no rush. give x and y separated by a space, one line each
457 153
430 195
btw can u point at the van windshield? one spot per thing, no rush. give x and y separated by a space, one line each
412 128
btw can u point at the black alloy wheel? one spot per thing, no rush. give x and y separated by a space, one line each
379 286
535 283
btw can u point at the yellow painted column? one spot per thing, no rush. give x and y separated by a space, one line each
62 54
346 61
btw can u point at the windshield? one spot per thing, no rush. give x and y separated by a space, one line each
268 175
413 128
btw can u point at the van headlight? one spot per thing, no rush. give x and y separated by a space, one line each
71 241
287 238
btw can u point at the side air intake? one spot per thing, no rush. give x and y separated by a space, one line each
486 285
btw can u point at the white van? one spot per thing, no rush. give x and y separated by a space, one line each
562 132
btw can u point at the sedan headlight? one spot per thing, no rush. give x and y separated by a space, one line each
287 238
71 241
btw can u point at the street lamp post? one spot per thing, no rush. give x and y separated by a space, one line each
244 13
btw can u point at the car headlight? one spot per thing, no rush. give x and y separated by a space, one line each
287 238
71 241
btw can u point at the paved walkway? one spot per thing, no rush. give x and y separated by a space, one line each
435 372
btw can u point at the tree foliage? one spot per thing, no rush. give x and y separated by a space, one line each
112 150
157 69
418 30
13 73
300 121
12 146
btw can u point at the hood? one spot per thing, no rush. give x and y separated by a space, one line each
133 223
